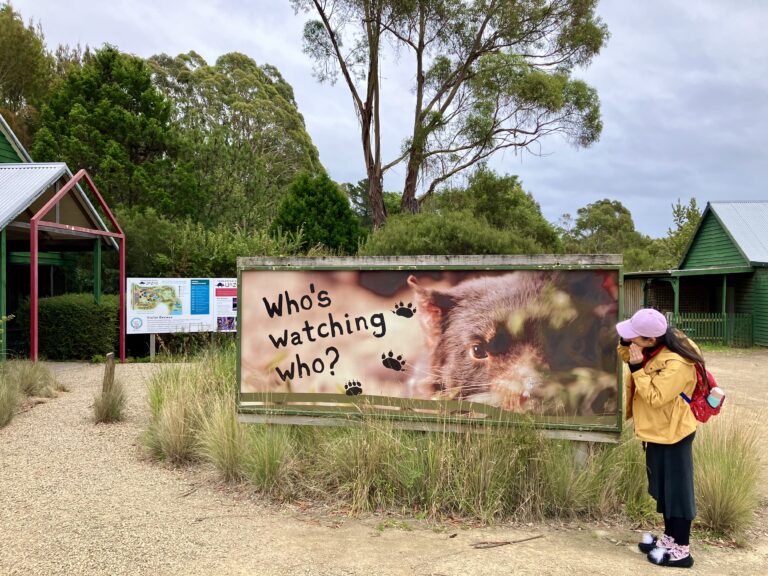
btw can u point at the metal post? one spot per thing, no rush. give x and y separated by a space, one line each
121 313
724 311
152 347
97 271
676 289
33 290
3 288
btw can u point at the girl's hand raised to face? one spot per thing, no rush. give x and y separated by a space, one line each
635 354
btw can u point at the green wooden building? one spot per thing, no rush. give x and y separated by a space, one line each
719 291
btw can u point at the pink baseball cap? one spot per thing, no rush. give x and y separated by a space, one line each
648 323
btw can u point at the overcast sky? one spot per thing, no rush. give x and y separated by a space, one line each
683 86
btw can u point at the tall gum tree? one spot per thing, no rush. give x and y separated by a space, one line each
489 75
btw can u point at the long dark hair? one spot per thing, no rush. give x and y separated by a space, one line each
679 343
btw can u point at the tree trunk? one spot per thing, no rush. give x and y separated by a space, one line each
376 198
409 202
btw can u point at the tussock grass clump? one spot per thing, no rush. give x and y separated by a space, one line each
183 402
109 404
487 473
727 471
270 461
32 378
9 399
222 440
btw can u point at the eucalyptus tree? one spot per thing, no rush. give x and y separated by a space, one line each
240 135
488 75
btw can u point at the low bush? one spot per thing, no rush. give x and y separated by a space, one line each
73 326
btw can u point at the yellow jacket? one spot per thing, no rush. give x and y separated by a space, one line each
653 397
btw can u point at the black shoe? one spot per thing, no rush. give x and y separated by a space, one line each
675 557
648 543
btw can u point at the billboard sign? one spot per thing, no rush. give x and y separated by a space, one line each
485 338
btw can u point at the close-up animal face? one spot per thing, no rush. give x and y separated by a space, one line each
486 336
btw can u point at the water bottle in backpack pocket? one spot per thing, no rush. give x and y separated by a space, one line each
708 397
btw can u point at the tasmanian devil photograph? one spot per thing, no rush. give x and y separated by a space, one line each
524 341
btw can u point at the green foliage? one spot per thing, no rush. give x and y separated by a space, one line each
603 227
160 247
503 204
488 76
685 219
606 227
239 131
73 326
493 215
25 66
318 208
449 233
361 204
108 118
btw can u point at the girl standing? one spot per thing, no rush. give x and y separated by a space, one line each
662 364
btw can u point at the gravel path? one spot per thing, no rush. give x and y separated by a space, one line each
80 499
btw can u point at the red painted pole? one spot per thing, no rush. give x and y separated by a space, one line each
122 299
33 290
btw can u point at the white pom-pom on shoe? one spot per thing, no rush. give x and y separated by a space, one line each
657 555
648 538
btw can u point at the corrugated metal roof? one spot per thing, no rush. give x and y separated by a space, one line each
22 184
747 223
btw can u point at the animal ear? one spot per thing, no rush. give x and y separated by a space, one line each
433 306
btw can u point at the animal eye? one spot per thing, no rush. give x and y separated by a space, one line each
479 352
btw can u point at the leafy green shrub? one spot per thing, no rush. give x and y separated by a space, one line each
318 208
73 326
159 247
458 232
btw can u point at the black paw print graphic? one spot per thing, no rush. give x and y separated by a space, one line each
404 311
392 362
353 388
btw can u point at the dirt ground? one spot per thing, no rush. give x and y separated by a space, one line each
76 498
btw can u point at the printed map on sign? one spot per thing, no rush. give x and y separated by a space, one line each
148 298
165 305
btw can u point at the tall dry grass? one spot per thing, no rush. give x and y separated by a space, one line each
109 404
727 470
9 398
487 474
33 378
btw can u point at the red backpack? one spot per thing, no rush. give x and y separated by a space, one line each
701 409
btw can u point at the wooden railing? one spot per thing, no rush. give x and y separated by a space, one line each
728 329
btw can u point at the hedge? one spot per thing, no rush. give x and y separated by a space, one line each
73 326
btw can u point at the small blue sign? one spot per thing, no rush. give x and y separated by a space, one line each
200 301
